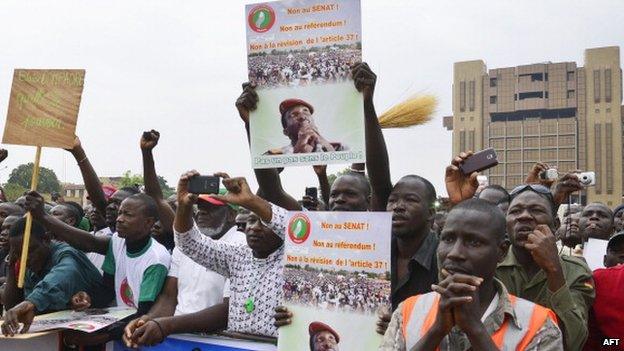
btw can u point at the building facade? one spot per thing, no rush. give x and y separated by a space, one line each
557 113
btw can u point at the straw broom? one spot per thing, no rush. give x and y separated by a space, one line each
414 111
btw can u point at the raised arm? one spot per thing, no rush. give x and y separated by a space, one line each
268 179
75 237
376 152
149 140
321 174
90 178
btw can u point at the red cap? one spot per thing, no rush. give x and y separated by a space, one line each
317 327
211 200
290 103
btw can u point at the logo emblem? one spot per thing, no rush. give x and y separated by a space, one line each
261 18
125 292
299 228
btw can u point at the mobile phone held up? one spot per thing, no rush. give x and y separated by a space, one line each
480 161
312 192
204 185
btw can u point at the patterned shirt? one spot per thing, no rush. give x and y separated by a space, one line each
255 283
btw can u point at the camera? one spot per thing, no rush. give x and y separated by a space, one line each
587 178
549 174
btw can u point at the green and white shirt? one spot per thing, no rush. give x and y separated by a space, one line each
140 276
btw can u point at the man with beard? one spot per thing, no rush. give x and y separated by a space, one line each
323 337
300 127
255 269
190 287
470 309
596 221
351 191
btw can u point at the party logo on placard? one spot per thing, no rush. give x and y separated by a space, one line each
261 18
299 228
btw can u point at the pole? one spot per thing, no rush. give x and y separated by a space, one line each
26 242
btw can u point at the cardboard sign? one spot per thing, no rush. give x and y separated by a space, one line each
43 107
336 277
299 56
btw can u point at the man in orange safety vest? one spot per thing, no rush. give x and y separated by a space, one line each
469 308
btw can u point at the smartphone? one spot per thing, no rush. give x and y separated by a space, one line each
312 192
204 185
480 161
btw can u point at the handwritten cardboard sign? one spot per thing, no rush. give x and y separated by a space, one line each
43 107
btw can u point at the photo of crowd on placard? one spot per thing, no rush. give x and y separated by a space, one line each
330 290
331 64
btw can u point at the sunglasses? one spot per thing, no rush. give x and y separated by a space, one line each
536 188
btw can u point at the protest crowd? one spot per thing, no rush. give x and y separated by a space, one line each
301 68
496 270
353 291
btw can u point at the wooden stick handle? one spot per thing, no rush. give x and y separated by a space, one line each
26 241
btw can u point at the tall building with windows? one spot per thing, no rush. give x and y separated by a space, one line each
558 113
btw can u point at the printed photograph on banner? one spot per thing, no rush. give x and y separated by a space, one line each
88 321
299 57
336 278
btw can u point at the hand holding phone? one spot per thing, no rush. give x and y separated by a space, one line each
480 161
201 184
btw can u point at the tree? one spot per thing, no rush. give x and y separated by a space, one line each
166 189
12 191
22 175
130 180
332 177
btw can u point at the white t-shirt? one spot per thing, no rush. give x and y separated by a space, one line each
140 276
199 287
95 257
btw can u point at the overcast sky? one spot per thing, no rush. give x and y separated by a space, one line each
177 66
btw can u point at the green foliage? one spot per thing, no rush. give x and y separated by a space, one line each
12 191
166 189
22 175
332 177
129 180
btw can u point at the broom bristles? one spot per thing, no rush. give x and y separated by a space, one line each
411 112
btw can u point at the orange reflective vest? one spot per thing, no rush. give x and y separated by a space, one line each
419 314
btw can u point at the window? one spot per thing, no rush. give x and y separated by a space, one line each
546 95
608 86
493 99
471 95
570 76
570 94
515 97
609 162
596 85
532 94
534 76
598 155
493 82
462 141
471 139
546 76
462 96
